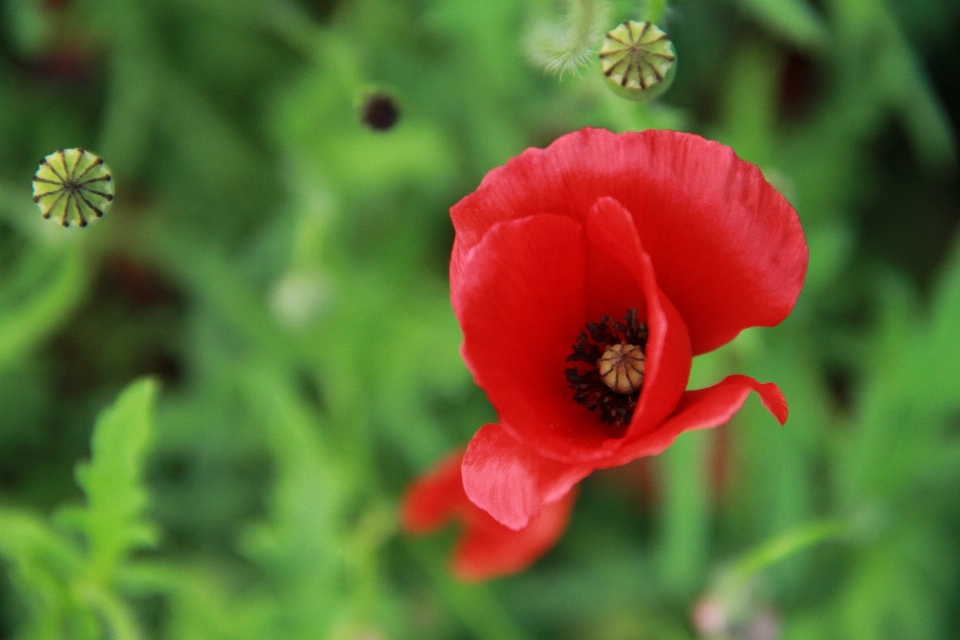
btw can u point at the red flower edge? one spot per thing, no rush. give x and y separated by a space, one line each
487 549
723 241
670 226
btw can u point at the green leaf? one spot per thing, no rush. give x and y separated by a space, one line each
30 28
114 523
302 541
933 363
24 325
903 80
202 604
42 565
792 20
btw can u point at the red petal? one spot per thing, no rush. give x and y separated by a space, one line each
614 249
434 497
512 482
617 265
491 549
728 249
487 549
521 305
702 409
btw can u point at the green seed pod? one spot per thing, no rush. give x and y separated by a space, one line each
73 185
638 60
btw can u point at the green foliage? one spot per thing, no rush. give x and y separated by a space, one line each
794 20
282 269
113 522
69 586
47 288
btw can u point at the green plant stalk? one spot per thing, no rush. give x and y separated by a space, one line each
786 545
655 10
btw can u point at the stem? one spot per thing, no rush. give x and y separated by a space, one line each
583 16
571 45
655 9
784 546
118 618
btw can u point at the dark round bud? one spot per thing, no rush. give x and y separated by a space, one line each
380 112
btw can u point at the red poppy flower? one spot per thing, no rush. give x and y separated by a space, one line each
585 276
487 549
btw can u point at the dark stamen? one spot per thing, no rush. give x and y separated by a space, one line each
590 390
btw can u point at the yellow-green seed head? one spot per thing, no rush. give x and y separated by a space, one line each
73 186
638 60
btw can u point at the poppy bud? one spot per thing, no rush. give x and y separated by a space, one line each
638 60
380 111
73 185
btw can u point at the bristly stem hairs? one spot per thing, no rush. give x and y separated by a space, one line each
570 45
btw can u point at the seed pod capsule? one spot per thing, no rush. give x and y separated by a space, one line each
621 367
638 60
73 186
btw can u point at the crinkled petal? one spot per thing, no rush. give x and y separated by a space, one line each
727 248
703 409
614 250
529 287
521 306
512 482
490 550
486 549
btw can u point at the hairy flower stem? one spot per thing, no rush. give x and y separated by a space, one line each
570 45
582 17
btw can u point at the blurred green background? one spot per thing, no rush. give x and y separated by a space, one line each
279 268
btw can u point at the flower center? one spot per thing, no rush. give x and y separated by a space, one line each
621 367
608 375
